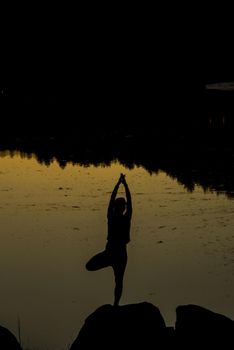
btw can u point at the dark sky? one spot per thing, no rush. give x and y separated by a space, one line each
118 59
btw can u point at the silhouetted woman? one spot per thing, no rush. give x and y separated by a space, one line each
119 216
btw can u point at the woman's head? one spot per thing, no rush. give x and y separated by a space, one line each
120 205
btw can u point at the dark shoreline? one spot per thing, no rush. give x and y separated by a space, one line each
200 152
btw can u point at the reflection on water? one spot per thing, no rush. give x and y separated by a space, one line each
52 220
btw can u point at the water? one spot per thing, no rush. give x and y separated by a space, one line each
52 220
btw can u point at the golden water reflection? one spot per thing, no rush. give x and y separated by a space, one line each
53 220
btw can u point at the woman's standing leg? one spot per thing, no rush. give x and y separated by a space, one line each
119 267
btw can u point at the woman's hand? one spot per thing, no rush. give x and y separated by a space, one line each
122 178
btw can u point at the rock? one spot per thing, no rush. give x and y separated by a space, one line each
133 326
196 327
7 340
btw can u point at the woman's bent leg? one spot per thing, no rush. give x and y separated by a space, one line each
98 261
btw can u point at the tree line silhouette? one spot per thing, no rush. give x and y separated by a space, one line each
197 152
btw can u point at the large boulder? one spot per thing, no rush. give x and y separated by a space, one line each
7 340
133 326
197 327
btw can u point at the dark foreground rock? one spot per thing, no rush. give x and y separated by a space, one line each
129 326
197 327
142 326
7 340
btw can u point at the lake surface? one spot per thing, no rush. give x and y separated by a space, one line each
53 219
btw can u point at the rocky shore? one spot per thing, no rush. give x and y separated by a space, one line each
142 326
